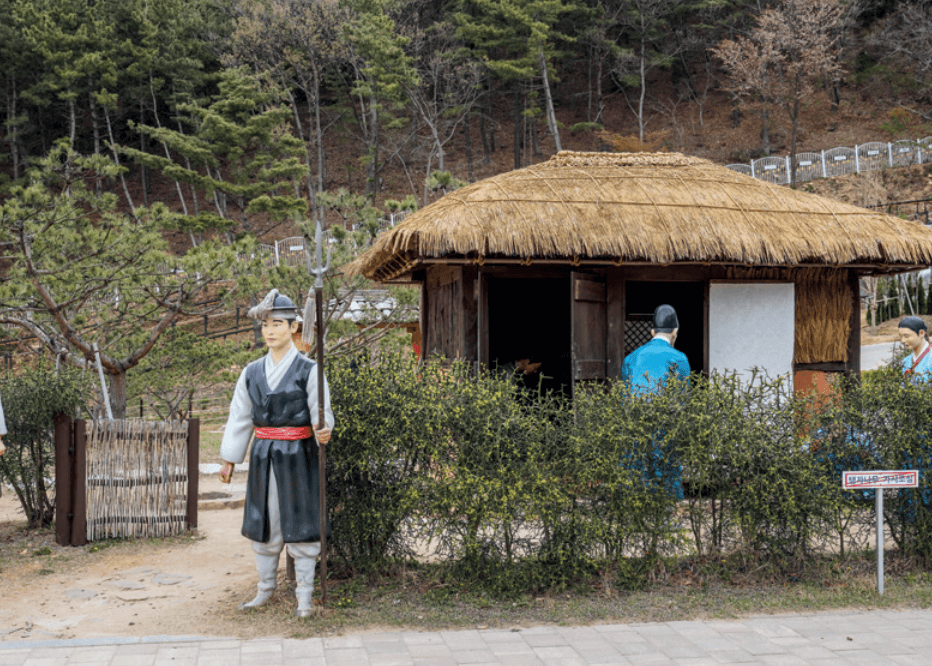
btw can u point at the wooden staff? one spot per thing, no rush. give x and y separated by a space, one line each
318 272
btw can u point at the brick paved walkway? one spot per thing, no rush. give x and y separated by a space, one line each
871 638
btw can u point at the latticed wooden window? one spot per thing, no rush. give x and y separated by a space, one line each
637 330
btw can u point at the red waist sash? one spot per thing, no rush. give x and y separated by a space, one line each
289 434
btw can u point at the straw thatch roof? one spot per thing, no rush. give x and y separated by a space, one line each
640 207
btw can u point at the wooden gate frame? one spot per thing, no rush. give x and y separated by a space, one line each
71 479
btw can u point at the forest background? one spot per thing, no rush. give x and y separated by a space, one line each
148 146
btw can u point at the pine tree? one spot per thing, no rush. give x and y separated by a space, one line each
74 251
517 42
921 304
894 295
878 295
929 299
240 152
383 72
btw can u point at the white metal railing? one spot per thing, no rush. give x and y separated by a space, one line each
293 251
840 161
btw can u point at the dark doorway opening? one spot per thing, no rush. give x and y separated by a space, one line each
687 298
529 319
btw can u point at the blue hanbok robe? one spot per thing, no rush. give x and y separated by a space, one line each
648 369
922 372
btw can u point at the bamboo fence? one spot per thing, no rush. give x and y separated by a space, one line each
137 478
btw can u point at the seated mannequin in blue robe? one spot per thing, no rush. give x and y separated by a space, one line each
914 335
647 369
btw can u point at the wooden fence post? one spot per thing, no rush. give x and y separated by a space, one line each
194 447
64 471
79 485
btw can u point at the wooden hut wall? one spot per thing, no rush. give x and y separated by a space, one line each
826 312
450 315
827 309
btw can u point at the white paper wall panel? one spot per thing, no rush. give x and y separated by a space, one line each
751 326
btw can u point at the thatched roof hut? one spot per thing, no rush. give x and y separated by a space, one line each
643 219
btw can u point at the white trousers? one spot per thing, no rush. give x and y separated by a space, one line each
304 554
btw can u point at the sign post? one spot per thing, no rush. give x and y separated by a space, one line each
878 480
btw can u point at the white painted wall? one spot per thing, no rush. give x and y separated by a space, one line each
752 325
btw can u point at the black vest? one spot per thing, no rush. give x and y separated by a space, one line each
294 462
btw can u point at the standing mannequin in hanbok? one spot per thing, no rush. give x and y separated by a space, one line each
276 397
914 334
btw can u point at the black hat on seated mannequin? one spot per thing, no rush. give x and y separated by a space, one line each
665 319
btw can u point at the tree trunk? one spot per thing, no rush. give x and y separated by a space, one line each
486 153
833 87
518 129
467 135
590 95
143 172
551 115
599 96
321 155
735 112
643 90
430 156
535 138
765 132
158 123
12 131
372 170
72 121
95 122
116 160
118 394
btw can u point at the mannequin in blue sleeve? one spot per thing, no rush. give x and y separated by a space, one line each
648 366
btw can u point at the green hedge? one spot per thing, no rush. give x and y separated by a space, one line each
516 490
31 399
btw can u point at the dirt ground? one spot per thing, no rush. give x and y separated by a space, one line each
187 585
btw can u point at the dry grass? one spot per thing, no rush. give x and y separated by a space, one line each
654 207
703 591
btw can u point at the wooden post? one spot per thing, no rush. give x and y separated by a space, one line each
64 470
483 319
470 304
853 366
425 318
194 448
706 344
79 485
615 314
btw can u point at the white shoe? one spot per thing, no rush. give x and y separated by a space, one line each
267 566
304 577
